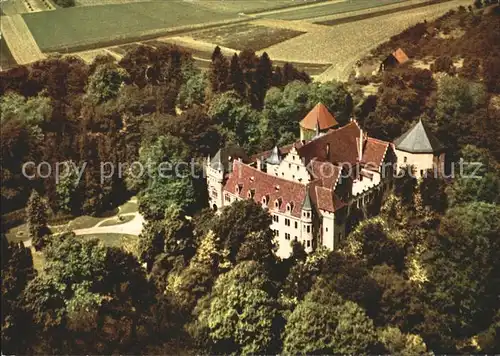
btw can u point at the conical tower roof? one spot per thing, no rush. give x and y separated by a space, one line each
418 139
307 205
275 157
319 116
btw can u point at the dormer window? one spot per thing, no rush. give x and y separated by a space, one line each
289 207
277 188
265 199
252 179
251 194
238 188
277 203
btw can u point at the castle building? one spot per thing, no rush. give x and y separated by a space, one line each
310 187
419 148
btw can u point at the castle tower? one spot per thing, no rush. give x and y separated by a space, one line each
307 223
318 120
215 180
419 148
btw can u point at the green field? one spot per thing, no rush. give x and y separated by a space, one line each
244 35
330 9
80 28
251 6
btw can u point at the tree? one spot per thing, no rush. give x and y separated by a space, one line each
443 64
372 241
87 290
478 178
397 343
236 79
67 190
166 178
400 303
462 301
218 74
240 315
328 325
238 120
36 213
405 184
432 190
105 83
17 271
193 91
239 221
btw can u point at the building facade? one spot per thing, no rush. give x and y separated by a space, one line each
419 148
311 187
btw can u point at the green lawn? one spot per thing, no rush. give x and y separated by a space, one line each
85 27
127 242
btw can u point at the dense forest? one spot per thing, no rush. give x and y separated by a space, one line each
422 276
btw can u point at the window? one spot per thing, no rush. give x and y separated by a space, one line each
297 168
227 198
276 218
296 225
276 232
296 239
289 165
405 159
326 229
308 229
308 243
287 222
287 236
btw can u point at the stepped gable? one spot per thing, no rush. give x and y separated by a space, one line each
418 139
374 153
342 146
320 117
250 179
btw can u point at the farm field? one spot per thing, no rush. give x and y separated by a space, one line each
241 36
330 9
343 45
19 39
251 6
6 59
374 12
81 28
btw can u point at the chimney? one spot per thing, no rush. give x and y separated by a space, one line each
259 164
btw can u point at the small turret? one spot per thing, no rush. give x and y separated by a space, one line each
307 223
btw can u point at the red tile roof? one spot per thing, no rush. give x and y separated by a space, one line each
327 173
400 56
374 153
342 145
319 115
264 184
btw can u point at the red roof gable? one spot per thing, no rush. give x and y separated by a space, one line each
400 56
319 115
264 184
374 153
342 145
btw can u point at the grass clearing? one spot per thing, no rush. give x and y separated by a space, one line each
129 207
241 36
87 27
128 242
